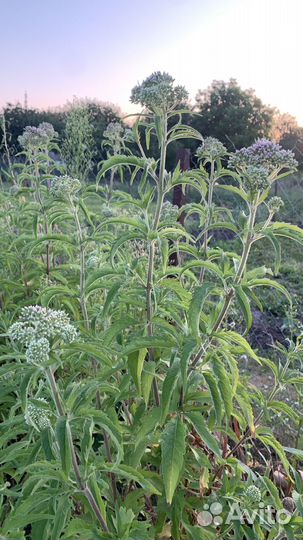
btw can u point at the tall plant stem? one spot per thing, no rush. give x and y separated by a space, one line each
82 265
229 296
40 201
84 312
83 487
209 213
151 252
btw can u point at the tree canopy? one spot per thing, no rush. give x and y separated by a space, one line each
234 116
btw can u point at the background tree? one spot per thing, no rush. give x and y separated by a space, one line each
17 118
234 116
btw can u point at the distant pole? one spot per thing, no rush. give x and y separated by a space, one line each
25 100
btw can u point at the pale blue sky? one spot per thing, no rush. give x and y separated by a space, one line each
56 49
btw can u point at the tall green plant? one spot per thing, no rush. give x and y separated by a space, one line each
79 147
139 424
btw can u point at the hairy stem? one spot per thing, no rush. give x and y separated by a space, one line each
84 312
80 481
209 213
228 299
151 252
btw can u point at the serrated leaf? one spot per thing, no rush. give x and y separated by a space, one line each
172 452
147 378
169 385
215 394
61 516
244 306
199 296
198 422
224 385
135 363
64 443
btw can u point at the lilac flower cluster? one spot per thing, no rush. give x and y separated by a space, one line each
211 148
36 322
263 153
37 137
65 186
158 92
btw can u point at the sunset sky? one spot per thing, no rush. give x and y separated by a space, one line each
100 48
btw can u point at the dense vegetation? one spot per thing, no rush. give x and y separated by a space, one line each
124 327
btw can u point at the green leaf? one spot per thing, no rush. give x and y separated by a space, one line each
132 474
224 385
265 282
235 190
172 452
280 406
199 296
64 442
46 443
148 342
135 365
198 422
25 384
287 230
169 385
61 517
208 265
148 375
244 305
232 337
109 426
246 409
119 161
277 447
87 438
109 298
188 348
215 394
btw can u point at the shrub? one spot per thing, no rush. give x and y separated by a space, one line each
124 412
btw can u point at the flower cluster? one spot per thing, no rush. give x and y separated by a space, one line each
264 153
255 179
37 416
274 204
38 322
115 136
170 212
65 186
113 131
252 494
158 92
37 137
95 258
38 351
211 148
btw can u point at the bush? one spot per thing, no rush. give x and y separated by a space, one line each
124 412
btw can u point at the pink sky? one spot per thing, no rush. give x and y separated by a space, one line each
63 48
